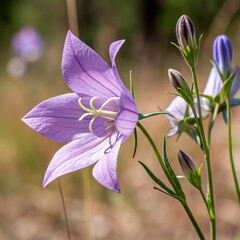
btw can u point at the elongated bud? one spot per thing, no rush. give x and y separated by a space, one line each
222 54
176 79
185 32
187 164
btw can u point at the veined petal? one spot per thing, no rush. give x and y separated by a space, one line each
86 72
127 117
58 119
176 108
76 155
214 83
105 169
113 50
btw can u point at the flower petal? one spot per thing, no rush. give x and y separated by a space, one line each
214 83
127 117
113 50
176 108
58 119
76 155
86 72
105 169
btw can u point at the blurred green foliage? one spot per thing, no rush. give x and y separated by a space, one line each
148 19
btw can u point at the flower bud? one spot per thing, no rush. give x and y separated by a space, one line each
185 32
187 164
176 79
222 54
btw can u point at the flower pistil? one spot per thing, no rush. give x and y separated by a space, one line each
97 112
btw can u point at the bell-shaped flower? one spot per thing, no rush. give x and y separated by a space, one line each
222 54
96 119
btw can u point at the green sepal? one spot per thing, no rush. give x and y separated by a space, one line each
195 178
189 120
187 96
142 116
178 187
135 142
211 99
156 180
184 53
224 92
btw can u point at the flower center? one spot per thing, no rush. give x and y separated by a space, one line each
97 112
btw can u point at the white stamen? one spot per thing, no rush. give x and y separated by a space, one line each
97 112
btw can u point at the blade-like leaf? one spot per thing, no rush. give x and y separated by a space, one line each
146 115
156 180
171 195
170 170
135 142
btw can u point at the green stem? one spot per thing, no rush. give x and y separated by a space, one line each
204 199
189 213
183 201
230 148
206 156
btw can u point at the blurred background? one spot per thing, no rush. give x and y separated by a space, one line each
27 211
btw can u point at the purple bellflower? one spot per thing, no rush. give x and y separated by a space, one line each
222 54
96 119
28 44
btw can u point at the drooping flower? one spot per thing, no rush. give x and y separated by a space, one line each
222 54
96 119
28 44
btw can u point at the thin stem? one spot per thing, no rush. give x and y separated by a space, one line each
189 213
204 199
206 156
230 149
183 201
64 210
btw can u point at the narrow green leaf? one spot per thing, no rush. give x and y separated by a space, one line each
156 180
135 142
146 115
171 195
170 170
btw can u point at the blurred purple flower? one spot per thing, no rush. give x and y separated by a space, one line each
96 119
28 44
